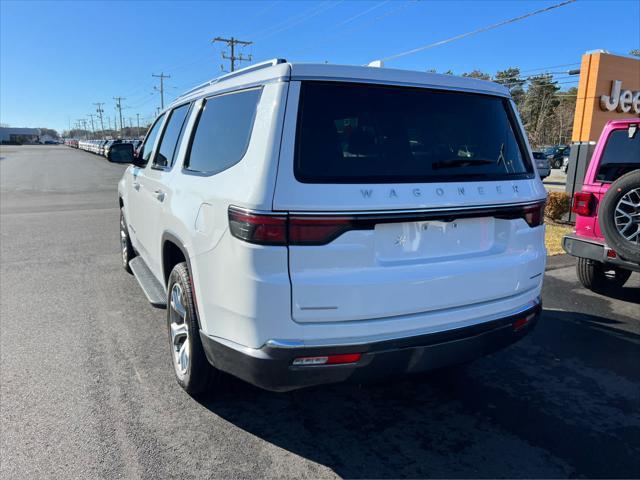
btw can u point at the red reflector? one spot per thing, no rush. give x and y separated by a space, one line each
258 228
344 358
611 254
582 203
327 360
520 324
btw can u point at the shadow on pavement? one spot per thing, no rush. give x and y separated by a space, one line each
563 402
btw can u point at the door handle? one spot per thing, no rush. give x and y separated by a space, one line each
136 185
159 194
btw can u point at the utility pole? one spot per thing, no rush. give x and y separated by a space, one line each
93 130
138 120
100 111
232 42
119 108
162 76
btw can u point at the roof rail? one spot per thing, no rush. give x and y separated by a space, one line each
236 73
251 68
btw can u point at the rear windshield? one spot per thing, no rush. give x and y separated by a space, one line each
352 133
539 155
621 155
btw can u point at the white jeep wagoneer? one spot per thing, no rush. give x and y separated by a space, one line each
305 224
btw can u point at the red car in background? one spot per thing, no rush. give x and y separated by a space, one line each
607 236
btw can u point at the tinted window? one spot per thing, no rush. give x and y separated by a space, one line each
223 131
168 145
621 155
539 155
349 133
147 147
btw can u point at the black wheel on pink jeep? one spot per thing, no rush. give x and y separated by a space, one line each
619 216
597 276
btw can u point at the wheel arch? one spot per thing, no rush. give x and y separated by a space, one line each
174 252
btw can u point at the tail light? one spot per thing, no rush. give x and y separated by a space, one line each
268 229
258 228
318 230
534 215
582 203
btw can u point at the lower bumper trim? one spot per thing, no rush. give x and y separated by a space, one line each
272 367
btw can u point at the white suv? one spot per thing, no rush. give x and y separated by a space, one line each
307 224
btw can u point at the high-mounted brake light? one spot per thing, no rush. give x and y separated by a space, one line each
582 203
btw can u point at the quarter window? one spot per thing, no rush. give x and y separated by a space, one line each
169 143
147 147
222 132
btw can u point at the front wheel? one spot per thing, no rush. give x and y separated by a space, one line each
192 369
596 276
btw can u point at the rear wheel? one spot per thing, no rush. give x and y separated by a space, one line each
192 369
597 276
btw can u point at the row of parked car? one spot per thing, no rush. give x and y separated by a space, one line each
99 147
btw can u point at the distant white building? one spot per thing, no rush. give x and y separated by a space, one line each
19 135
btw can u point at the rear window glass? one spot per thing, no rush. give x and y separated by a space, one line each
223 131
621 155
352 133
539 155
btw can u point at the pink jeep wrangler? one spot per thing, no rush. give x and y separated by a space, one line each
607 236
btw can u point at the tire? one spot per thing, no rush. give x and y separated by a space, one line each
557 163
619 216
597 276
127 253
193 371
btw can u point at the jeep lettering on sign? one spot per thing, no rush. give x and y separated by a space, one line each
623 101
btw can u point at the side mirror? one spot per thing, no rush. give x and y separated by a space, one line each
122 153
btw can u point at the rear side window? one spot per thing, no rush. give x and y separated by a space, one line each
222 132
351 133
621 155
169 143
147 146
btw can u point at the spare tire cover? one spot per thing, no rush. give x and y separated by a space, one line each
619 216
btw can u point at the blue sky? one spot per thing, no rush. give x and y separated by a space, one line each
57 58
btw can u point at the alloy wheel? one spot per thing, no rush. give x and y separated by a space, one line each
179 331
627 216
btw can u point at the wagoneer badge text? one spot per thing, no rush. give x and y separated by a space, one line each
418 192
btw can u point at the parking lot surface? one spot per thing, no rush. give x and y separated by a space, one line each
556 181
87 387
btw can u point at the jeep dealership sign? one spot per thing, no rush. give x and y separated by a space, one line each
609 89
620 100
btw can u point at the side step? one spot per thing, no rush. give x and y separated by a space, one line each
155 292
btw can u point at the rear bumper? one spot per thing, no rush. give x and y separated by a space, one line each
582 247
271 367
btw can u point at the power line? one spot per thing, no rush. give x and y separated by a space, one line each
162 76
232 42
479 30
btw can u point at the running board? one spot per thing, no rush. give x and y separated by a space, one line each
154 291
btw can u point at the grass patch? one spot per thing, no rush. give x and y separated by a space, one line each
553 238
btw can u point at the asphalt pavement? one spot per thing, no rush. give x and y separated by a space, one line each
87 387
